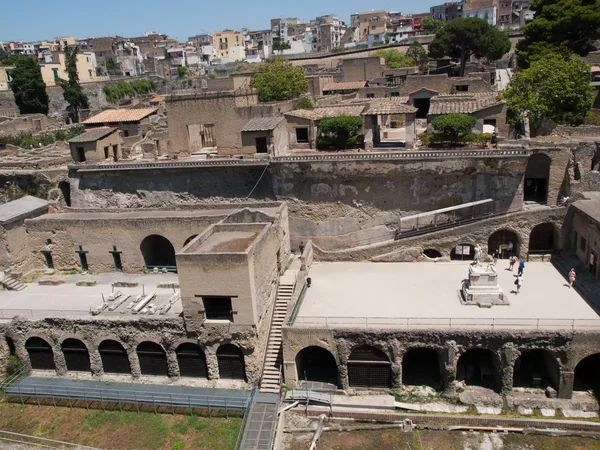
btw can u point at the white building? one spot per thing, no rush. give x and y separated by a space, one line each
490 15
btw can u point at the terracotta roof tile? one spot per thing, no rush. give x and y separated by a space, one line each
344 86
121 115
330 111
263 123
462 103
93 135
391 105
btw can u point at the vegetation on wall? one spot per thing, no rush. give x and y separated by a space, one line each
465 37
304 103
182 71
279 80
24 139
394 58
115 92
28 85
340 133
552 88
560 27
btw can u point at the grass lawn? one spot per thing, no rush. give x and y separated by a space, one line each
121 430
439 440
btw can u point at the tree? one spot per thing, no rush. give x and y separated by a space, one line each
279 80
560 26
281 45
431 26
462 38
72 91
552 88
3 54
340 132
28 86
182 71
304 103
418 54
394 58
452 127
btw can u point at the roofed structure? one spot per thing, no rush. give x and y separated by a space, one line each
391 105
263 123
120 115
22 208
330 111
345 86
462 103
93 135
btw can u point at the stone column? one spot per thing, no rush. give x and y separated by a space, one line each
396 374
59 359
343 375
291 373
448 368
509 356
211 363
134 363
172 364
565 389
96 363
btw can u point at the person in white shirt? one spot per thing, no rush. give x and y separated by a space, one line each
519 283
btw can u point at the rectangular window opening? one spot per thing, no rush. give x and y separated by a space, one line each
462 88
302 135
218 308
582 243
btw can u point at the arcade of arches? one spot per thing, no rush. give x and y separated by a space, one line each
158 252
151 359
371 367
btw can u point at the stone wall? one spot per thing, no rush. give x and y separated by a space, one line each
58 104
564 347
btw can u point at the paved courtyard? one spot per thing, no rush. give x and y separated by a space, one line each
68 299
427 294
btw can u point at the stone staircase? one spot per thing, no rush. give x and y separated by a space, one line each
271 377
11 284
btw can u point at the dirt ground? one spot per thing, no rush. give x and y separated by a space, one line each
438 440
127 430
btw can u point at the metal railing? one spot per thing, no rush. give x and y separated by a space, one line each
245 419
18 438
413 323
13 378
89 395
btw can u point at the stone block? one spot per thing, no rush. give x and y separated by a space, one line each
86 283
50 282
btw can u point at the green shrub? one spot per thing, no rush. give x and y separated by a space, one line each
481 139
394 58
304 103
337 49
182 71
453 126
377 43
25 138
340 132
592 118
13 365
212 76
115 92
360 47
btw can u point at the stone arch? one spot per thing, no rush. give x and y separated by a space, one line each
462 252
478 367
432 253
315 363
369 367
536 368
422 366
190 239
114 357
586 374
501 240
40 354
153 359
191 360
158 251
230 359
65 190
543 238
537 177
76 354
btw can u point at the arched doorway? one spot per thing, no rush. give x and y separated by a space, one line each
65 190
476 367
316 364
536 178
463 252
503 241
536 368
586 375
158 252
153 360
432 253
231 362
192 361
542 238
76 355
421 366
369 367
40 354
190 239
114 357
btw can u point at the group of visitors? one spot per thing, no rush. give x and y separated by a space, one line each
511 264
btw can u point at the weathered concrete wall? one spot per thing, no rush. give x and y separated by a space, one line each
58 104
565 348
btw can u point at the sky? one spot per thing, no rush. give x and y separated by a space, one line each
34 20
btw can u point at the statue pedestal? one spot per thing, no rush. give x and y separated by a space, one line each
482 288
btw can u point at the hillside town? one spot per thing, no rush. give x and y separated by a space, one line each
374 232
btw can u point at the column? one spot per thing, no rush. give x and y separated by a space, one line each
172 363
59 360
212 363
96 362
565 388
134 363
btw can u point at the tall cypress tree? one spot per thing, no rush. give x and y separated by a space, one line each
28 86
73 93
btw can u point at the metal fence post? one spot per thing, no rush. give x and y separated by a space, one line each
226 413
172 405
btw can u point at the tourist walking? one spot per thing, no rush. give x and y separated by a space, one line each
511 262
519 283
521 267
572 276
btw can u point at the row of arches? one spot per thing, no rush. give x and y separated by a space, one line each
370 367
152 358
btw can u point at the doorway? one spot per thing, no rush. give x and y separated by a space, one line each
422 105
593 267
261 145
